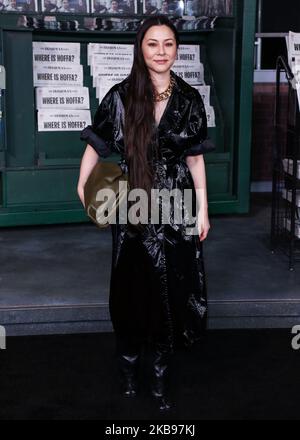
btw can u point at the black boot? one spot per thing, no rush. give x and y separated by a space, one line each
128 368
160 378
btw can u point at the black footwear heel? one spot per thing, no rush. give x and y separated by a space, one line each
128 368
159 385
161 398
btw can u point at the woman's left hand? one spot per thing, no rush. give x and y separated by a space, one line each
203 224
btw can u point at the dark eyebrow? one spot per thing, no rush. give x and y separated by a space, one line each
157 40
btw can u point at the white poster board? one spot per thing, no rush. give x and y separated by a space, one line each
62 97
57 75
63 120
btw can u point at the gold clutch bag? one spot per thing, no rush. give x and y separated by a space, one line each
102 206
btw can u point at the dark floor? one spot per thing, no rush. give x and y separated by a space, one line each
55 278
231 375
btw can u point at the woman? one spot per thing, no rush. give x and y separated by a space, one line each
157 123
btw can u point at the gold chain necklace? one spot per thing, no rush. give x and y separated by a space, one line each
165 95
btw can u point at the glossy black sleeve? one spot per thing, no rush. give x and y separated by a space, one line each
100 135
196 130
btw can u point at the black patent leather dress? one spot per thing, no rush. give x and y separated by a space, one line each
157 286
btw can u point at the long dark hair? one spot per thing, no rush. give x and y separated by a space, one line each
139 111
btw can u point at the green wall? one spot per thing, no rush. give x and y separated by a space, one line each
39 171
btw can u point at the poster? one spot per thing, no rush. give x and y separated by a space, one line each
205 94
19 5
117 73
188 53
192 74
294 44
114 6
62 97
210 114
65 6
58 53
61 100
104 85
63 120
115 61
123 50
188 64
166 7
293 49
59 75
209 8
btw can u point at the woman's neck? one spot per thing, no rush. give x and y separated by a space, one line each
161 81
